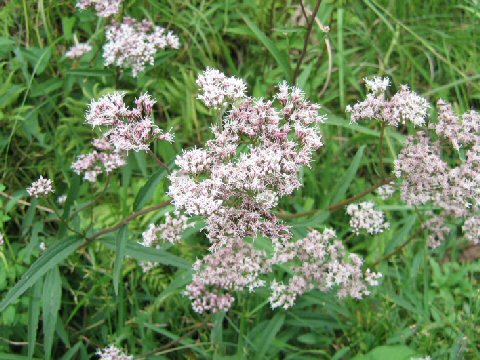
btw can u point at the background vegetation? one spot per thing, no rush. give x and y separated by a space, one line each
428 302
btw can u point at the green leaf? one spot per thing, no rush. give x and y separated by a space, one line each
90 72
33 315
280 57
264 341
344 183
401 235
122 237
71 352
146 191
51 301
10 95
5 356
393 352
50 258
28 219
143 253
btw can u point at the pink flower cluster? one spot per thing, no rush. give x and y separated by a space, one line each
103 8
134 44
78 50
218 90
319 262
41 187
112 353
386 191
230 268
428 179
103 158
459 131
254 158
171 230
403 106
126 129
364 217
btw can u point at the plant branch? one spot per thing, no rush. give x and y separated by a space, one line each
398 249
307 38
158 161
339 205
125 221
26 203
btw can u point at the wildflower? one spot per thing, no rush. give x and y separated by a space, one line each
459 131
78 50
112 353
319 262
236 180
365 217
103 8
147 266
2 241
171 230
254 179
133 44
471 229
42 246
217 90
61 199
103 158
126 129
229 269
41 187
386 191
437 228
403 106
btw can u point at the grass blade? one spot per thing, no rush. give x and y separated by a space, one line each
146 191
33 315
281 58
344 183
149 254
52 256
120 254
51 300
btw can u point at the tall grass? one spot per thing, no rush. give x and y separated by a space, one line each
428 302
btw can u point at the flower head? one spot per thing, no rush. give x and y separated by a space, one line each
78 50
133 44
365 217
124 128
403 106
112 353
217 90
41 187
103 8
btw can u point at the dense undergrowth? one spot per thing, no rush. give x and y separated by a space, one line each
427 303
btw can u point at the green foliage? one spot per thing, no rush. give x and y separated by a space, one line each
71 299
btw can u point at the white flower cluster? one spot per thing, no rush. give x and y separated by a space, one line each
2 241
428 179
126 129
112 353
235 181
320 262
133 44
103 8
78 50
41 187
404 106
364 217
171 230
218 90
103 158
386 191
